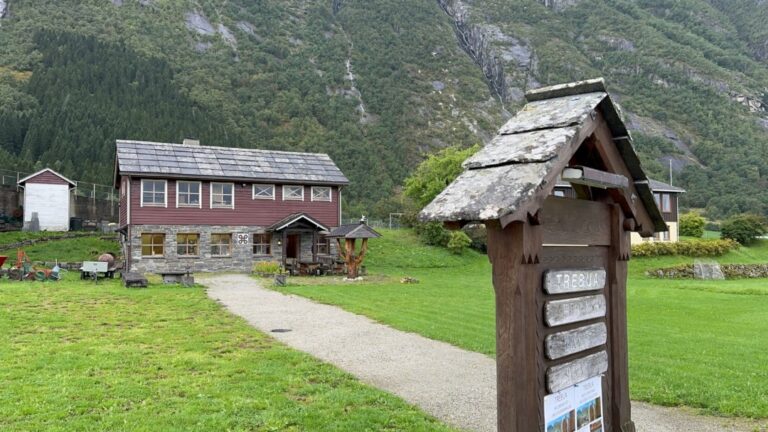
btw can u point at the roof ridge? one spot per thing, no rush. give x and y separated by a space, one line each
219 147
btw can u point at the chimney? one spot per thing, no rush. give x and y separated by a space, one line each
191 142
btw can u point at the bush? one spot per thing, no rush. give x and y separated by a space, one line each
692 225
458 241
692 248
267 267
743 228
712 226
433 233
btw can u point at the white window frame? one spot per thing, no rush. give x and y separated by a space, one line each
165 193
666 203
285 187
219 206
262 197
199 192
330 193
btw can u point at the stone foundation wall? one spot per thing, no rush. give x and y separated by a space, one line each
241 258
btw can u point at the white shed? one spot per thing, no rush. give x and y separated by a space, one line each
47 193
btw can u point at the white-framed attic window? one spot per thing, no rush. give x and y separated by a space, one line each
321 193
264 191
293 193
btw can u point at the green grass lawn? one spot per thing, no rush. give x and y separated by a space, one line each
79 356
695 343
74 249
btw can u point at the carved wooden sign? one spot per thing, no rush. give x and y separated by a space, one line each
568 281
569 342
560 312
565 375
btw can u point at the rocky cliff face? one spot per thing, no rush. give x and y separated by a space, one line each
507 62
559 5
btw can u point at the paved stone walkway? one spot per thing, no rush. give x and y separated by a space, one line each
454 385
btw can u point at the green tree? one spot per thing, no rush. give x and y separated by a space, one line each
692 225
435 173
744 228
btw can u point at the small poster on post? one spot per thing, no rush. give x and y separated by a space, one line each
576 409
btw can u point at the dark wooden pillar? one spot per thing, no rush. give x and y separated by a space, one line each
514 254
618 257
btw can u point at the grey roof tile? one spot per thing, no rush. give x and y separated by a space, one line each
141 157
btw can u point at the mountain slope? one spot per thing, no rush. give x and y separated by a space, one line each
377 84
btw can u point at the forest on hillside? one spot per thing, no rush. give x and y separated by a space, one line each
378 85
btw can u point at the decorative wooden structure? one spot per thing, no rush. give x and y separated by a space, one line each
559 264
350 233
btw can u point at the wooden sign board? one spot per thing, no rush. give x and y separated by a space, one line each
562 344
571 373
560 312
568 281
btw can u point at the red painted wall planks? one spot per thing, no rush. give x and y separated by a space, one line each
47 177
247 211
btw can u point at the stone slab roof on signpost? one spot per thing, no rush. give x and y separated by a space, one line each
530 151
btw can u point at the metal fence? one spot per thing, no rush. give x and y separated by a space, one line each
84 189
392 222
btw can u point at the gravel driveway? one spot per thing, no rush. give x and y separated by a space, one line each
454 385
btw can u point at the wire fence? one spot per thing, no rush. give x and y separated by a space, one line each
83 189
392 222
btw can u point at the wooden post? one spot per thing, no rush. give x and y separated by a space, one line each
618 257
514 254
351 261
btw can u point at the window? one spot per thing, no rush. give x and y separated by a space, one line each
263 191
221 244
293 193
153 193
666 203
187 244
558 193
152 245
187 194
222 195
321 193
262 244
323 246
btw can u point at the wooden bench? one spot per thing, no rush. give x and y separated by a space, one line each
93 269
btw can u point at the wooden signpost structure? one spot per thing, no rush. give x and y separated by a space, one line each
559 264
350 233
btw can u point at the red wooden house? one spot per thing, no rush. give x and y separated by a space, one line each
203 208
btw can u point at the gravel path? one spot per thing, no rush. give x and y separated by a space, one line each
454 385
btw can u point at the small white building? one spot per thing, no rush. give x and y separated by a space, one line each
48 194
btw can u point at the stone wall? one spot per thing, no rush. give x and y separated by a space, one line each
241 258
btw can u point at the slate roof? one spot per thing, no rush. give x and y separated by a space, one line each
185 161
353 231
526 157
658 186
